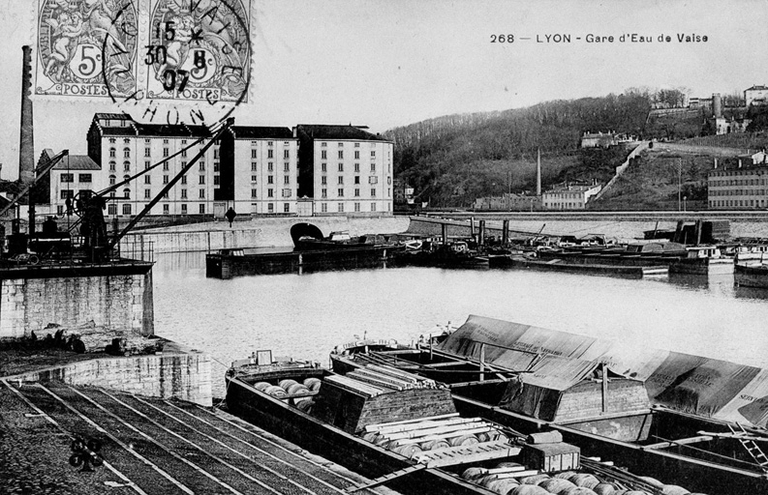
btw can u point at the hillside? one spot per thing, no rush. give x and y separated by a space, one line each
452 160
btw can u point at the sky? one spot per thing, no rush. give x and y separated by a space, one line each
387 63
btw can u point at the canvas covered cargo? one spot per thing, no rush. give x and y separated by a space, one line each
554 361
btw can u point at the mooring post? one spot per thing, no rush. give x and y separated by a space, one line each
482 362
605 387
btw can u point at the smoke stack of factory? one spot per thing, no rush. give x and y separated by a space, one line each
538 174
27 136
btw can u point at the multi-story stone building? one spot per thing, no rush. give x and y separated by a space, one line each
756 95
255 170
345 169
745 186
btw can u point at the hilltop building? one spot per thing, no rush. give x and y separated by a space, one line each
569 196
756 95
743 186
255 170
508 201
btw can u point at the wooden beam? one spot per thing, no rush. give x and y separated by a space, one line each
682 441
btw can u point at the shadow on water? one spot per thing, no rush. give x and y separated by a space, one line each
750 293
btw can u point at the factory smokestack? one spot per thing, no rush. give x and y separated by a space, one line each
538 174
27 135
717 105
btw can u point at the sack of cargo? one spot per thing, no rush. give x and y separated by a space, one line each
276 391
528 490
313 384
463 440
545 437
674 490
534 480
408 450
502 486
472 473
584 479
556 485
576 490
284 384
262 386
434 444
605 489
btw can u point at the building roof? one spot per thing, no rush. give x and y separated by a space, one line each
112 116
256 132
69 162
332 132
757 88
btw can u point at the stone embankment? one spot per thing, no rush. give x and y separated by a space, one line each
249 233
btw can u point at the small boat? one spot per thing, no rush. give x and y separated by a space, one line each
307 236
751 275
452 254
404 430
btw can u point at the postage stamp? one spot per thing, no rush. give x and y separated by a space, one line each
198 50
87 47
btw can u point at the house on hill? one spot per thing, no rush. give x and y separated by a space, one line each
756 95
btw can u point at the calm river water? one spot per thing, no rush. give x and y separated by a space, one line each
306 316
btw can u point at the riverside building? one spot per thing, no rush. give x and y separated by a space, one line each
255 170
745 186
571 197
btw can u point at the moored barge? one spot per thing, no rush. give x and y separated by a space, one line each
404 430
699 421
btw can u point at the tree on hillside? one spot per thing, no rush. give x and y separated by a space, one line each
671 98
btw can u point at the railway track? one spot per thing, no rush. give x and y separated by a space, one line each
154 446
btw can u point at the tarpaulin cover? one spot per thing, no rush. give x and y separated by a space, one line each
559 360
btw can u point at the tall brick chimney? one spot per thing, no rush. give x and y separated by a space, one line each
538 173
27 134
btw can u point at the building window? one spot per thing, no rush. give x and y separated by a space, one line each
147 165
286 153
126 209
112 152
112 180
270 166
254 193
201 194
286 193
373 206
324 155
286 167
184 152
271 207
183 194
147 140
166 152
201 179
341 154
216 166
373 167
202 166
357 167
165 141
340 208
357 206
324 167
270 154
270 193
216 153
324 206
253 167
287 179
325 193
286 208
373 180
357 145
183 209
127 193
166 209
323 145
341 192
373 192
254 178
357 179
202 209
147 194
373 154
270 179
216 180
112 166
341 179
165 179
112 140
183 141
67 177
127 153
183 179
357 154
341 167
66 194
112 209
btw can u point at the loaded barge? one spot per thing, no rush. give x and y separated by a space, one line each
698 421
404 430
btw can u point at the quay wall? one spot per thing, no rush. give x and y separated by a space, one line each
178 375
121 303
248 233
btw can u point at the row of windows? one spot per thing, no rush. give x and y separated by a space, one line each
146 140
738 202
166 153
166 166
286 193
323 144
340 180
80 178
324 167
340 193
739 192
324 154
340 207
271 143
270 167
738 182
270 154
65 194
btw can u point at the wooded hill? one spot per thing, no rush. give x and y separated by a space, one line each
452 160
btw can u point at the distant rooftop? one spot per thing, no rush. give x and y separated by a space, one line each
325 131
253 132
